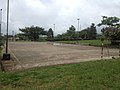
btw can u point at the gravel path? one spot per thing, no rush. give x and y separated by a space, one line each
34 54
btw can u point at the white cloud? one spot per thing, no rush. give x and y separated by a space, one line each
34 4
61 12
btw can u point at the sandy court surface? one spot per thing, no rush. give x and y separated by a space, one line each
33 54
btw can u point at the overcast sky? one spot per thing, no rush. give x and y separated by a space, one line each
62 13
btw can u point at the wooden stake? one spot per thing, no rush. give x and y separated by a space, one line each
108 49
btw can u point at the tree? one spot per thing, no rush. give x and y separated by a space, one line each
21 36
111 28
109 21
32 33
84 33
59 37
71 32
2 40
50 34
92 31
89 33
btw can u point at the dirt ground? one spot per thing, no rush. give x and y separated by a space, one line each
35 54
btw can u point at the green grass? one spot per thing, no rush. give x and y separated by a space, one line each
94 75
86 42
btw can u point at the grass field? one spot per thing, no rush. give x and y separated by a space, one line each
86 42
94 75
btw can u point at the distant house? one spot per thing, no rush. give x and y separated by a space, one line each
17 38
42 36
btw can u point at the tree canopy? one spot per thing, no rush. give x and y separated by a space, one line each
89 33
70 34
32 33
111 28
50 34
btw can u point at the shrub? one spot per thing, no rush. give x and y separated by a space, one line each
2 41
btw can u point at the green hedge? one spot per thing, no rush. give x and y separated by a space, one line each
2 41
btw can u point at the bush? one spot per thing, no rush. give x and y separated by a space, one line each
2 41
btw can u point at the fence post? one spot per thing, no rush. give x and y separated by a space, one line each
102 51
108 48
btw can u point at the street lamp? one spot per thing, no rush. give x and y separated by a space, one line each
6 56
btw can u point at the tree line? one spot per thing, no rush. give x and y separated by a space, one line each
35 33
110 30
72 34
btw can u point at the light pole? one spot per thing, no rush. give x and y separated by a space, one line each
54 30
7 26
6 56
78 30
0 20
78 24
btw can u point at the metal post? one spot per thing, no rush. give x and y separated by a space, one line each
108 48
78 23
7 26
102 50
102 40
78 30
13 36
0 20
0 29
80 27
54 29
6 56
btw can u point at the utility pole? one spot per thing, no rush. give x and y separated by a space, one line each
0 21
78 24
13 36
78 30
6 56
80 27
7 26
54 30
